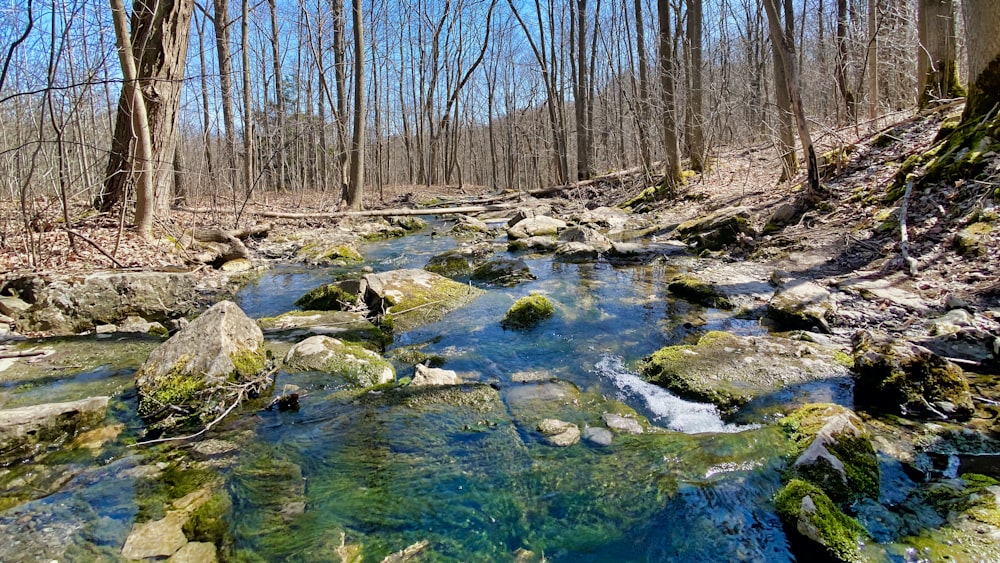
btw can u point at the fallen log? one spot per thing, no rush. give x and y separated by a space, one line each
367 213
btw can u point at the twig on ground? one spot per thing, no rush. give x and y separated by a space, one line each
89 241
904 240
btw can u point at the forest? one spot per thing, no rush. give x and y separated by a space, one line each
500 280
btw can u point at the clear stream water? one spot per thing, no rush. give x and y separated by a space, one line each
473 480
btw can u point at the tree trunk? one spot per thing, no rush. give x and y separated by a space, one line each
787 52
581 92
672 171
937 73
643 121
340 78
356 187
159 50
872 60
841 74
696 130
982 20
222 47
248 168
783 99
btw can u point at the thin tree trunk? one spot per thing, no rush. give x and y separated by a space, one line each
786 131
248 128
672 170
357 178
841 74
224 52
643 121
696 131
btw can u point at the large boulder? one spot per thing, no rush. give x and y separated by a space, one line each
415 297
906 379
195 375
802 305
834 452
74 304
358 365
718 230
26 432
730 370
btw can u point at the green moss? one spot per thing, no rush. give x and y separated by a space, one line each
837 533
174 388
844 359
329 297
248 363
384 234
450 265
210 521
408 222
528 312
698 291
178 478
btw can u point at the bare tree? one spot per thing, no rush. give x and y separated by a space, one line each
356 187
695 114
159 46
672 168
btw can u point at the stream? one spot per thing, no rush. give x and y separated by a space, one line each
466 479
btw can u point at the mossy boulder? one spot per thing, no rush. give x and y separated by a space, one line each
329 297
196 374
828 532
358 365
901 378
802 305
459 262
327 253
415 297
834 452
527 312
717 230
730 371
696 290
503 271
469 227
29 431
577 252
534 244
408 222
540 225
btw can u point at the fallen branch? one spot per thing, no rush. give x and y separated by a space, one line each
80 235
904 242
22 354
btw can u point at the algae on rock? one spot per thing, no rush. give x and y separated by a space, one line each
810 512
527 312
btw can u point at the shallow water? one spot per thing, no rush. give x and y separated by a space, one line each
470 477
479 486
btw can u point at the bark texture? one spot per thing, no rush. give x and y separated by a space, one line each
982 20
937 73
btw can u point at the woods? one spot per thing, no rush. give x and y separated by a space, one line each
278 96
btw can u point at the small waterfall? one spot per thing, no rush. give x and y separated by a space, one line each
667 409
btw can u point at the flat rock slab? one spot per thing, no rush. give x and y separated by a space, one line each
27 431
415 297
802 305
884 289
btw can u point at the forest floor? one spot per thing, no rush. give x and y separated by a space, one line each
855 232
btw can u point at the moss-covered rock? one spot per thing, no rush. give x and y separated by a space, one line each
905 379
345 325
527 312
834 452
329 297
358 365
410 223
326 253
973 240
717 230
540 225
198 372
503 271
29 431
808 511
451 264
730 371
698 291
415 297
802 305
469 227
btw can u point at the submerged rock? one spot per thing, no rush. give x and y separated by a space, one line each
415 297
693 289
193 374
503 271
559 433
902 378
329 297
355 363
802 305
527 312
459 262
597 436
808 511
577 252
834 452
29 431
730 370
